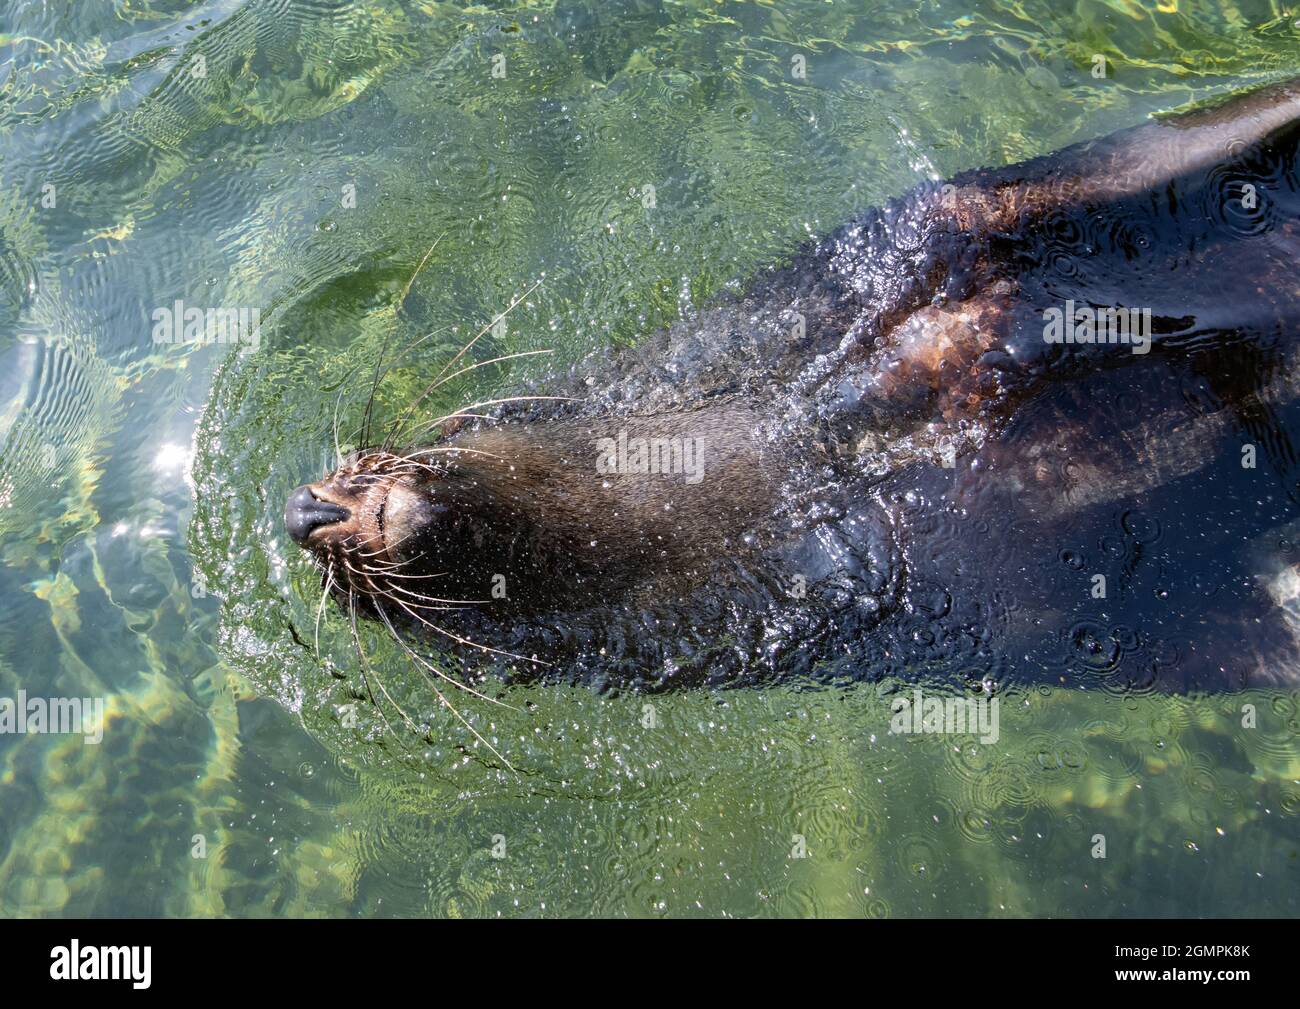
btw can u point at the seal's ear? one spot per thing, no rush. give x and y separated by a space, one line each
452 425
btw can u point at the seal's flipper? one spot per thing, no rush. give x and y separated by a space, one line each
1133 161
1178 234
926 380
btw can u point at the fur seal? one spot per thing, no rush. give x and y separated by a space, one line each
755 491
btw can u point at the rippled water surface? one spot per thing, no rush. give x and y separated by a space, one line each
303 158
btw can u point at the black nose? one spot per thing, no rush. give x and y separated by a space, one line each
304 512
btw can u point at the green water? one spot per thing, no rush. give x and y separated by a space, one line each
141 484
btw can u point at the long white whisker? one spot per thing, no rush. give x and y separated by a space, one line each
451 450
435 599
450 679
365 677
338 450
509 308
407 289
465 641
459 414
329 581
443 379
461 353
448 703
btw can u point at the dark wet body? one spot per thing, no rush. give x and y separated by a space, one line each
900 476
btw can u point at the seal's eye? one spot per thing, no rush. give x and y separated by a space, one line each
304 513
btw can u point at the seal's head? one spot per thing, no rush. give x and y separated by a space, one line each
526 516
403 535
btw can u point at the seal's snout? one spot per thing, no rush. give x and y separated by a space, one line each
304 513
